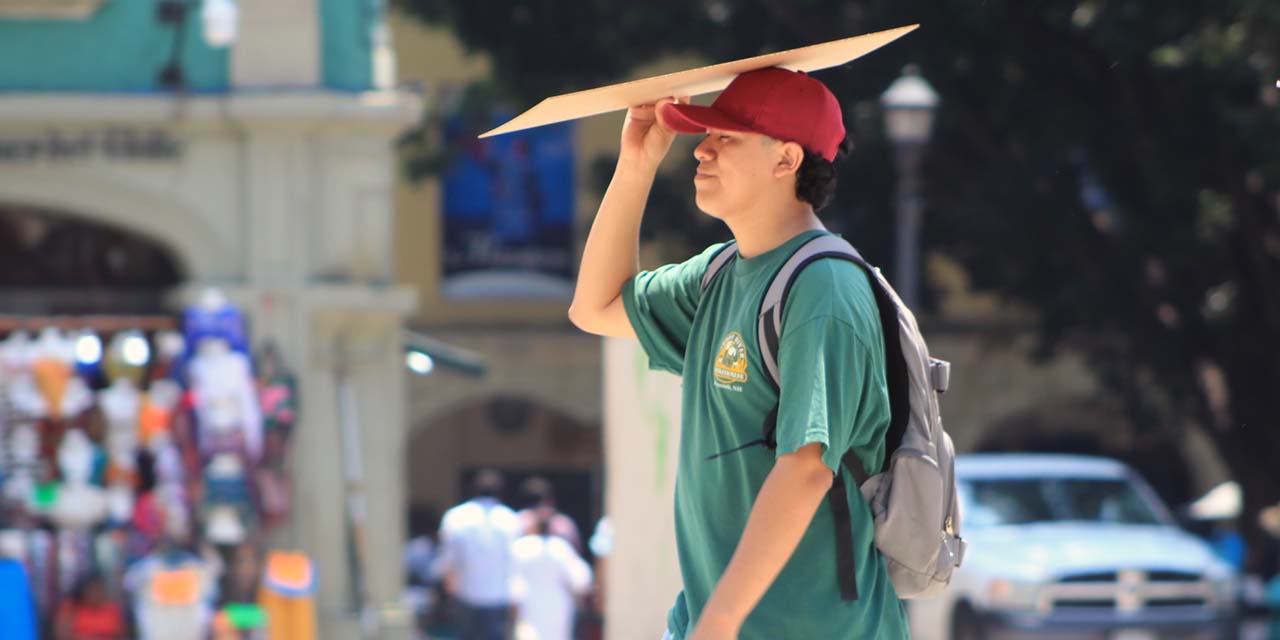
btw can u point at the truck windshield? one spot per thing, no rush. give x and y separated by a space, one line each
1005 501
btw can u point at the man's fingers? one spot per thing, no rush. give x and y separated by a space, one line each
672 100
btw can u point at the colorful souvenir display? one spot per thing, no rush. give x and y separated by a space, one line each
288 596
141 462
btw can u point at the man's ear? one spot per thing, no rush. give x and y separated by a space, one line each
789 160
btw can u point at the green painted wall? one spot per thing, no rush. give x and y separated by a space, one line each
346 38
122 47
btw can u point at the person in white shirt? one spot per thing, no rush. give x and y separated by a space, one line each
475 561
550 576
540 499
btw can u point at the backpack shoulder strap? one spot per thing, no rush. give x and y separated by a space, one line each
769 325
723 257
769 328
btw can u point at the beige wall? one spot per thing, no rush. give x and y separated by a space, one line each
642 435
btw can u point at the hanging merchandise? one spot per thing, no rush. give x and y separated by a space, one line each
75 506
36 551
25 398
127 357
88 348
15 355
227 500
213 316
183 443
119 405
78 505
17 607
64 394
110 550
120 502
240 621
227 410
173 593
155 415
288 596
277 390
170 493
24 461
170 351
87 612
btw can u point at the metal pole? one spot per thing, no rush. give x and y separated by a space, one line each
907 224
353 470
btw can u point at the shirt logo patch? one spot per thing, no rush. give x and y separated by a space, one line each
731 363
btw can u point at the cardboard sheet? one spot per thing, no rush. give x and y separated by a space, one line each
580 104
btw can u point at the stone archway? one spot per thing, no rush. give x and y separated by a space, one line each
54 262
106 199
517 435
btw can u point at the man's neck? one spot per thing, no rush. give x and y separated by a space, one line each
768 227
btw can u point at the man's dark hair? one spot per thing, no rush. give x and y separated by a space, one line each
486 484
537 491
816 178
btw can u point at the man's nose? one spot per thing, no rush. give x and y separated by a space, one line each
703 151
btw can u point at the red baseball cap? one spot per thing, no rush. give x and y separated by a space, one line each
784 105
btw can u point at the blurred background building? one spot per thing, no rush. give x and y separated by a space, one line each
315 161
149 150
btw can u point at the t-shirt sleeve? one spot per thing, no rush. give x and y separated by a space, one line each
660 305
828 390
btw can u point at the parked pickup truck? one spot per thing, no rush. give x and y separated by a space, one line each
1074 547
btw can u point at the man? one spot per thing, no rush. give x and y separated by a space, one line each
551 577
475 559
540 507
755 530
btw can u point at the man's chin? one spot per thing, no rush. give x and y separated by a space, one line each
708 209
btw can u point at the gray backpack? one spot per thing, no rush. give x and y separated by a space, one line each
913 499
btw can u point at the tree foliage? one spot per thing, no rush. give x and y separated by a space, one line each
1114 164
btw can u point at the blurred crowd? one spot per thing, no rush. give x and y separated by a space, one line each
490 572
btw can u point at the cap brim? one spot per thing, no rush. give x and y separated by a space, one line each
690 118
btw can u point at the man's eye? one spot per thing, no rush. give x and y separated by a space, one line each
724 138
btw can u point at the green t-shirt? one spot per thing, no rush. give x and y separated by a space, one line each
831 362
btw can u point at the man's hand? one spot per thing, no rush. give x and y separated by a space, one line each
712 628
645 138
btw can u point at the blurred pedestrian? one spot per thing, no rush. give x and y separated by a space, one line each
550 578
420 586
540 506
475 561
601 546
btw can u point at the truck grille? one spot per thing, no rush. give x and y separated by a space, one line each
1129 591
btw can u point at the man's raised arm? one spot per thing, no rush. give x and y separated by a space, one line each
611 255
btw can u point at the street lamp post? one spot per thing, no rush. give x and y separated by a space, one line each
909 104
